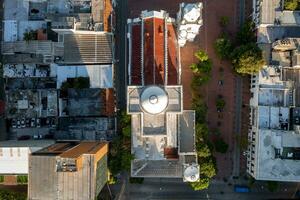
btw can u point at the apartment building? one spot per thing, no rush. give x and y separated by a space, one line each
274 137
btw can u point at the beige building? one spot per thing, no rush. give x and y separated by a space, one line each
68 171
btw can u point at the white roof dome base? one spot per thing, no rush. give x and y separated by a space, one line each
154 100
191 173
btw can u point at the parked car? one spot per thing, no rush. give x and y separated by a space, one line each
241 189
32 123
18 123
14 123
24 137
35 137
23 125
38 122
27 122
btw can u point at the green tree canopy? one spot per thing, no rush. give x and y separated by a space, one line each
201 132
202 150
8 195
247 59
202 56
200 109
220 103
223 47
126 131
220 145
207 169
291 5
203 183
246 34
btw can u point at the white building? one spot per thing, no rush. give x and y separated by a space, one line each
14 155
274 134
189 20
163 134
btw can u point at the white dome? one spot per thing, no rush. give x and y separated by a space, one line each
154 100
191 173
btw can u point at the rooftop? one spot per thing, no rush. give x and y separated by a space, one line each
70 169
279 155
151 63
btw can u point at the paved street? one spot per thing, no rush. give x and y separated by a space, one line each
176 189
2 94
120 41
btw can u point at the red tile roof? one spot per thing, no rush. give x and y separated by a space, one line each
136 56
154 53
172 55
149 51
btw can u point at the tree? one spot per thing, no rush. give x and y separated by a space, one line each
223 47
246 34
126 131
291 5
201 132
202 150
224 20
126 158
207 169
247 59
200 109
125 119
202 184
202 67
201 55
220 103
220 145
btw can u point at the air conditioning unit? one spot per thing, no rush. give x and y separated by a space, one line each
47 59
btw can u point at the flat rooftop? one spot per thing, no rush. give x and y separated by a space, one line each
276 155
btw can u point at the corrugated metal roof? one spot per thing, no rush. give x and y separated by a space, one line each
87 48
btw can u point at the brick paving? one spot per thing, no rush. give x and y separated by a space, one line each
222 70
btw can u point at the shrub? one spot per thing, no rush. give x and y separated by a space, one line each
1 178
8 195
203 183
22 179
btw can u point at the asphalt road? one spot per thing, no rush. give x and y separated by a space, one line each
175 189
120 53
3 134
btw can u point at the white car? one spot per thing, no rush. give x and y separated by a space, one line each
38 122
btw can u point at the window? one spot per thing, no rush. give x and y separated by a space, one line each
19 153
1 152
11 152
